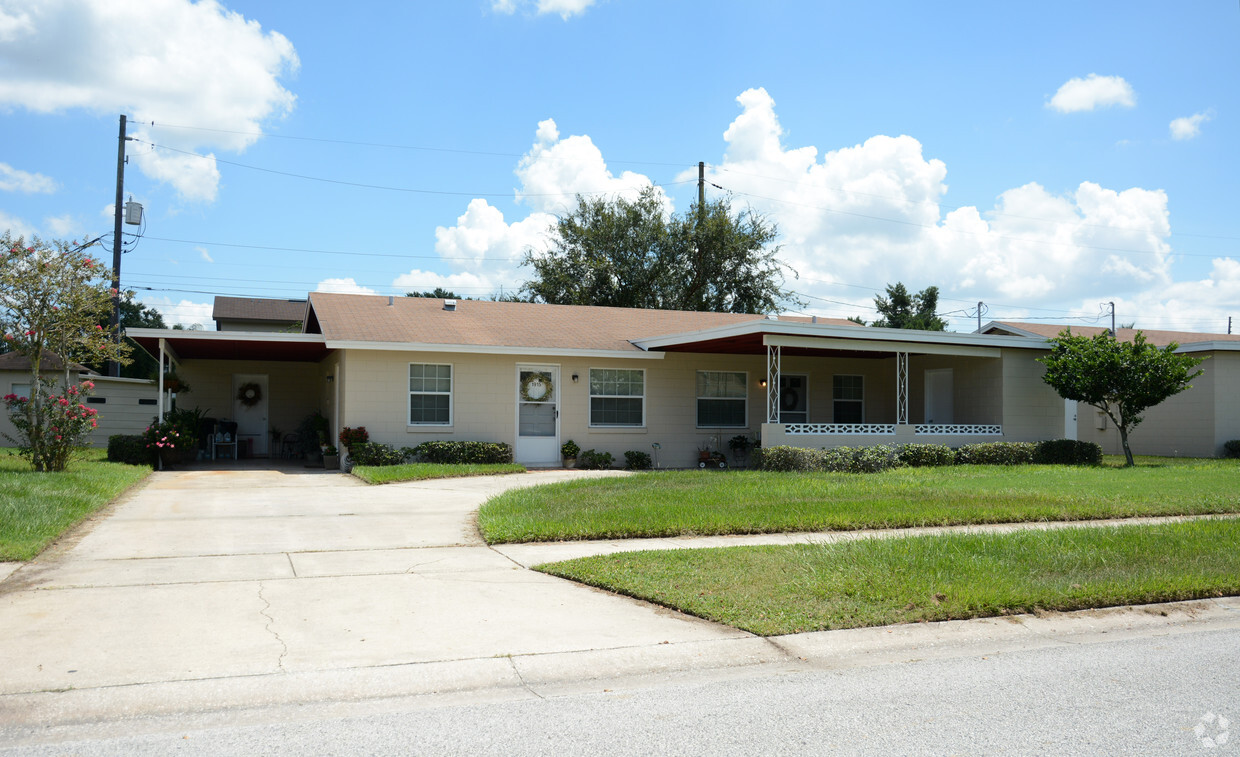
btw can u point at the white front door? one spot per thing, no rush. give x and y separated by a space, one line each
250 410
939 396
538 415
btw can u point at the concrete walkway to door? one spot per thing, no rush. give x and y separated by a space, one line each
213 589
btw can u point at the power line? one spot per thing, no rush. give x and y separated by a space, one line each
941 205
973 233
418 148
362 185
323 252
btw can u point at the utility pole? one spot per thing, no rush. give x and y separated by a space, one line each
1114 333
701 188
979 317
114 368
1229 325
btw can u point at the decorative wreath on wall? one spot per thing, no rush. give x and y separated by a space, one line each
250 394
537 387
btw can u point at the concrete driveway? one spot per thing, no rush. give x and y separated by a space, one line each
267 585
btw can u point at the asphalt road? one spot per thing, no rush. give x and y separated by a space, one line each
1153 695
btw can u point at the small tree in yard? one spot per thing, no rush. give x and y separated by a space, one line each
1122 379
52 297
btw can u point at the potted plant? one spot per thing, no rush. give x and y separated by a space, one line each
351 436
173 383
165 442
331 458
740 446
569 451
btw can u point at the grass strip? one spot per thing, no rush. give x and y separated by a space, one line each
874 582
674 503
391 474
36 508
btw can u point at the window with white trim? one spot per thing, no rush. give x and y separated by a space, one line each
848 399
722 399
21 389
430 394
617 397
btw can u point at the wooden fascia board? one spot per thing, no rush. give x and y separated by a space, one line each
870 345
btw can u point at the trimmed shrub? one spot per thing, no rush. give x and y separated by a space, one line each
1231 448
463 453
373 453
1067 452
789 459
996 453
129 449
926 455
592 460
636 460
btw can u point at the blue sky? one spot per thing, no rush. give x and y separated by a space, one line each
1042 159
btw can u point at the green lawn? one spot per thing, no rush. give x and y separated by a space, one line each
36 508
871 582
671 503
390 474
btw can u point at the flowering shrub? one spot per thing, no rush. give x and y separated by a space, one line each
351 436
51 427
166 440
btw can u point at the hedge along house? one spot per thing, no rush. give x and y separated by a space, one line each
1195 423
612 379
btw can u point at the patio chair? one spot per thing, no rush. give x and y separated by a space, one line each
225 430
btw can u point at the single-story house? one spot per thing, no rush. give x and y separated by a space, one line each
611 379
1194 423
258 314
125 405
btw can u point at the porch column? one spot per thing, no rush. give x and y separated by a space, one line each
162 357
902 388
774 356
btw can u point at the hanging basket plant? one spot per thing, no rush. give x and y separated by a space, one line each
250 394
537 387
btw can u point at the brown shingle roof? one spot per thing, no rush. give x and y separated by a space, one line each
258 309
423 320
1157 338
14 361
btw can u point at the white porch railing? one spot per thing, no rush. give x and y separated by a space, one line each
889 429
839 428
958 429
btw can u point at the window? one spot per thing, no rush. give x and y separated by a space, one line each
848 393
722 399
21 390
430 394
96 400
147 402
617 397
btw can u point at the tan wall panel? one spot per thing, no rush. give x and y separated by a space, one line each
1032 410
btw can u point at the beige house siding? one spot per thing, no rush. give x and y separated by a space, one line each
123 412
1193 423
1032 410
1226 369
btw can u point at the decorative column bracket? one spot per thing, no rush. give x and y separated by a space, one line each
901 388
773 360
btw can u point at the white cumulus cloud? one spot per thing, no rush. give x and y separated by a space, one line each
465 284
1188 127
16 180
870 214
185 313
566 9
343 286
1092 92
15 226
148 58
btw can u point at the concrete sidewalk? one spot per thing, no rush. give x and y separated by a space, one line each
208 591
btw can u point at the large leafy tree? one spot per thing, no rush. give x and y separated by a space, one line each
52 296
902 310
1122 379
631 253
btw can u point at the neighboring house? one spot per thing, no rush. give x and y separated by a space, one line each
1194 423
126 406
612 379
258 314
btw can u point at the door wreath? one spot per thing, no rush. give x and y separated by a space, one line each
250 394
537 387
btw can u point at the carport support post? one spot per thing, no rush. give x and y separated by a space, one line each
162 357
